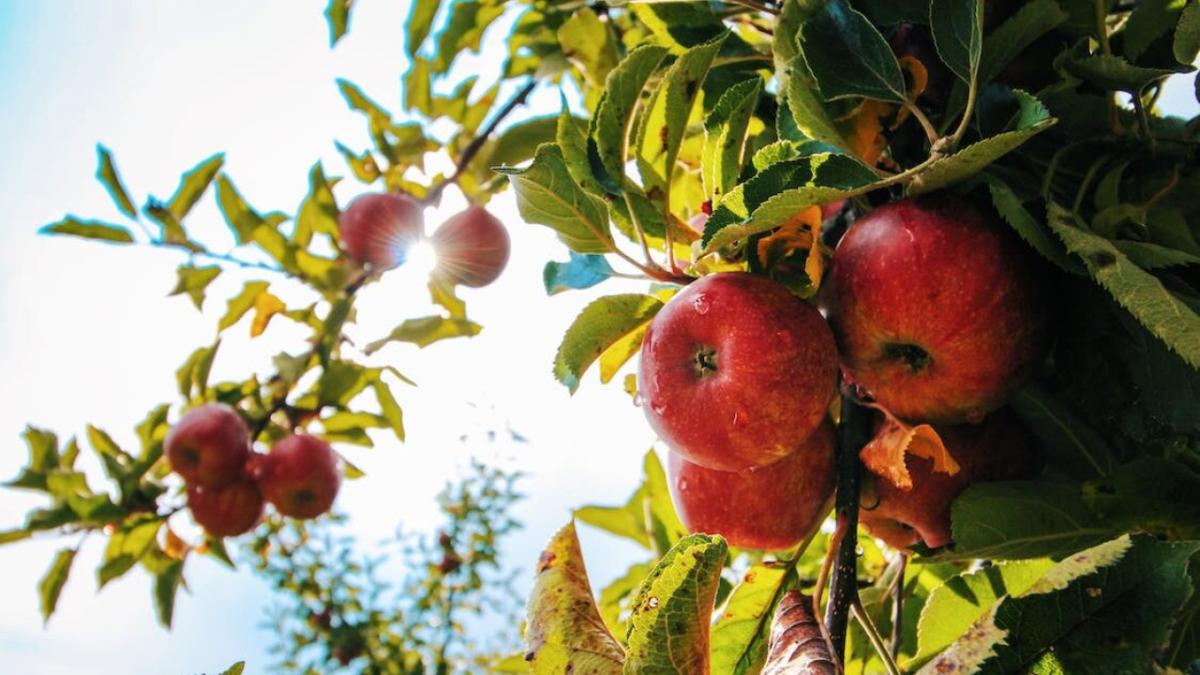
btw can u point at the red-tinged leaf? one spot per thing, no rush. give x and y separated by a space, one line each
797 646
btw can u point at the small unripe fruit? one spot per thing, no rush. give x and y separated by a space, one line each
299 476
209 446
770 507
380 228
472 248
226 511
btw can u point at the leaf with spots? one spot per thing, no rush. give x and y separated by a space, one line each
741 629
725 137
1168 317
669 622
564 632
609 126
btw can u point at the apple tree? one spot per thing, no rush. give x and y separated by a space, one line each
929 266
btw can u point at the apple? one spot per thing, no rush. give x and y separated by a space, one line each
770 507
299 476
998 449
939 311
209 446
380 227
472 247
228 510
735 371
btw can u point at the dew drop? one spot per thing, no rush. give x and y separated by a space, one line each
859 550
658 407
653 602
700 304
683 485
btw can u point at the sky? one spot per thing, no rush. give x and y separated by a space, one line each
88 334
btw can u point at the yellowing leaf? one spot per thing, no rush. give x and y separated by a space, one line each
797 234
266 305
173 546
886 453
864 130
564 632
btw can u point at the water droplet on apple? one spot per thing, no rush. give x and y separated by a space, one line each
700 304
683 485
658 408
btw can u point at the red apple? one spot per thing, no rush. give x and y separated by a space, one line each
938 310
472 247
770 507
736 371
299 476
999 449
379 228
226 511
209 446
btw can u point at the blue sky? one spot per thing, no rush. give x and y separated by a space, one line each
87 333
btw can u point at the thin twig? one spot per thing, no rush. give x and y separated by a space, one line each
873 635
898 607
222 257
476 143
920 116
853 433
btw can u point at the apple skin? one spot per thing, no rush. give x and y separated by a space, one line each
735 371
771 507
226 511
209 446
938 310
1000 448
299 476
472 247
379 228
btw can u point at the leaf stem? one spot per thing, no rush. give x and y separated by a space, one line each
476 144
972 91
756 6
930 132
873 635
898 607
221 257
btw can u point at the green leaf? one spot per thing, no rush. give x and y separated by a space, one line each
319 210
89 229
957 27
1012 37
1185 636
1013 212
725 137
425 331
126 546
340 382
194 280
242 219
891 12
571 138
615 597
548 195
665 118
777 194
193 374
518 142
945 171
1071 445
420 21
957 604
1149 20
337 15
43 448
1187 35
741 629
563 630
9 536
117 463
599 326
193 184
674 606
166 585
235 669
363 166
1149 494
51 585
1083 602
106 173
1160 311
848 57
390 409
464 30
1018 520
346 420
590 43
581 271
609 126
1150 256
241 303
1113 73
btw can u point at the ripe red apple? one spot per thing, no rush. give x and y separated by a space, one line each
472 247
938 310
228 510
209 446
999 449
299 476
379 228
770 507
736 371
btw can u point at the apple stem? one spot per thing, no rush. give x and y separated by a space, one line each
854 431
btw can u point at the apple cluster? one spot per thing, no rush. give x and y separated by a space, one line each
380 229
932 312
227 482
